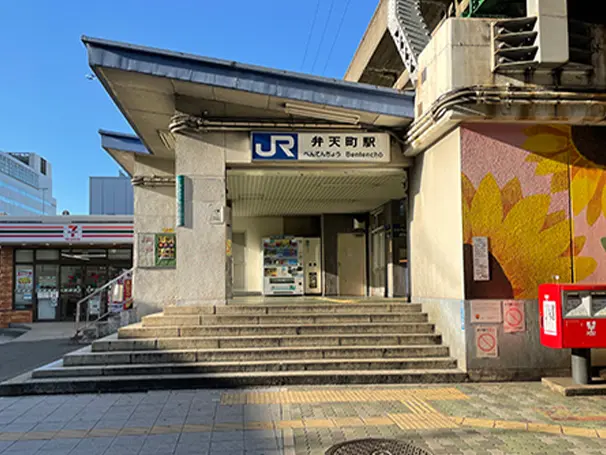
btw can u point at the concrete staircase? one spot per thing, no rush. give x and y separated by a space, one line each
256 344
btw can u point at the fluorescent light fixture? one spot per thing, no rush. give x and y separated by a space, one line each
320 113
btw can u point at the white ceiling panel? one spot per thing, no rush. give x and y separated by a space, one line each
310 192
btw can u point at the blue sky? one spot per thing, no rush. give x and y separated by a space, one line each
48 106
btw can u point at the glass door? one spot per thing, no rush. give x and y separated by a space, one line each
71 290
47 292
95 277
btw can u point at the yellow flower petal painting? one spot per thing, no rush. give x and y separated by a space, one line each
530 244
575 157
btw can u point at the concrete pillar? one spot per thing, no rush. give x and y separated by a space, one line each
202 277
154 213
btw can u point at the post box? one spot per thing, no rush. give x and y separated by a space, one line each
572 316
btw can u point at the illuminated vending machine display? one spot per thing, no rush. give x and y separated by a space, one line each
282 266
312 265
572 316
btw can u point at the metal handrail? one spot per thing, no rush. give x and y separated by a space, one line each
88 297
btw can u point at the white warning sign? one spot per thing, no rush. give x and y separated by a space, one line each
487 344
514 319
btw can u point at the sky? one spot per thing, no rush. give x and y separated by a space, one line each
48 106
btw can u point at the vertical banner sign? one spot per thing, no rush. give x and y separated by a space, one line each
180 200
487 342
514 319
481 267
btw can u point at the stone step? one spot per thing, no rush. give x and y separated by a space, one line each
282 308
192 320
25 385
138 331
57 371
264 341
84 358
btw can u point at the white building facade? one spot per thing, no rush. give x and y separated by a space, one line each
26 185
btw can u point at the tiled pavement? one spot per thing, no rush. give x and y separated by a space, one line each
515 418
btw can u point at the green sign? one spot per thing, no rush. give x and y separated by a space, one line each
165 250
180 200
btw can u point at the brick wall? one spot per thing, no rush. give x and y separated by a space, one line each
6 278
7 314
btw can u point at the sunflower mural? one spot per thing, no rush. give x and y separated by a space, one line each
528 244
575 157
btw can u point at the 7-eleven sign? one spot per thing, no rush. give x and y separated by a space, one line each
72 232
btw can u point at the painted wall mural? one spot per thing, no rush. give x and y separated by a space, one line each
539 194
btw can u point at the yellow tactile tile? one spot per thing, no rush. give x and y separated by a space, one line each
457 420
228 426
10 436
197 428
102 432
259 426
417 406
319 423
377 421
478 423
427 421
348 422
71 434
38 435
583 432
285 424
544 428
135 431
168 429
506 425
342 396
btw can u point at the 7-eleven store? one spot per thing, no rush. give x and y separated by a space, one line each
47 264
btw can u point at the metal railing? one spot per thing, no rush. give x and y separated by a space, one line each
103 309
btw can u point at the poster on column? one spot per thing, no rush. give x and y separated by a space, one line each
485 311
487 342
514 319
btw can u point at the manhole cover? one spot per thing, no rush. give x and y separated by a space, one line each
376 447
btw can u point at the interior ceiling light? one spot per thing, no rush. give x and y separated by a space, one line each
319 113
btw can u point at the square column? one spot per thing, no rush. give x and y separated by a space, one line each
202 262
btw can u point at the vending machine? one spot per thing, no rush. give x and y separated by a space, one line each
282 266
312 265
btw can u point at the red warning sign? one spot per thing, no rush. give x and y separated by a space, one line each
487 342
514 319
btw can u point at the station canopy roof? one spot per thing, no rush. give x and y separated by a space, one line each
150 86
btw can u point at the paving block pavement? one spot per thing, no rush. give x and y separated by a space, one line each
512 418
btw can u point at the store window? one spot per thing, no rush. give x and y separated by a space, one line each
24 286
47 255
119 254
24 255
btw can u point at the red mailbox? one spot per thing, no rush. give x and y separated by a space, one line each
572 315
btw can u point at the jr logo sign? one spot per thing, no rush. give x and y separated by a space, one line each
267 146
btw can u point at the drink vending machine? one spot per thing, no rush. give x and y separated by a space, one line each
282 266
573 316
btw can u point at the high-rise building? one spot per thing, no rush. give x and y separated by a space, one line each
111 196
26 185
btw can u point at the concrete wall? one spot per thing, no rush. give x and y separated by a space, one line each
255 228
154 212
436 229
203 272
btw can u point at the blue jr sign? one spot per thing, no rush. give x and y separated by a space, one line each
278 146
